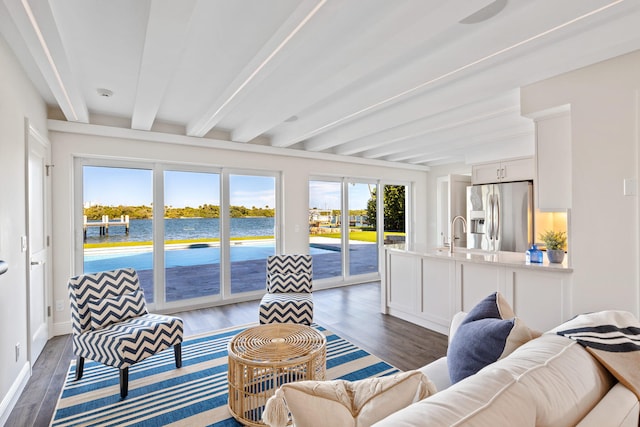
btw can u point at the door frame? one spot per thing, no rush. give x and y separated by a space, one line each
33 136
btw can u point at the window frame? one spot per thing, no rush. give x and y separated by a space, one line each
157 169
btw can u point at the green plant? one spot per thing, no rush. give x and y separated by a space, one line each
554 240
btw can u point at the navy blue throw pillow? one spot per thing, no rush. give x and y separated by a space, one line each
489 332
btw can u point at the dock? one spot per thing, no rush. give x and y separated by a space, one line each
104 224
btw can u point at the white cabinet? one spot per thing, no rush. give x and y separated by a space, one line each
474 282
553 162
437 303
403 271
452 201
541 299
505 171
428 290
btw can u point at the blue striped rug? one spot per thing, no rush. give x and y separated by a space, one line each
194 395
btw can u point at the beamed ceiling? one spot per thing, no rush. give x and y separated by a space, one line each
418 82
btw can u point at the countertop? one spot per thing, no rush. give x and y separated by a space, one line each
507 259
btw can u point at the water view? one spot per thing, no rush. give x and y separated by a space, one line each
141 230
190 248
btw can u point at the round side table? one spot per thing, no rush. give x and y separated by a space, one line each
264 357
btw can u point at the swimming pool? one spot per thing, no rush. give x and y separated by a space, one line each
143 259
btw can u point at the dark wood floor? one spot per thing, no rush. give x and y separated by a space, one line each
352 312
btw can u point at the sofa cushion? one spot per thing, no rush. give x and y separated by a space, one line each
489 332
345 403
550 381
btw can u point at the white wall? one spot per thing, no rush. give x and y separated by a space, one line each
18 100
604 225
295 175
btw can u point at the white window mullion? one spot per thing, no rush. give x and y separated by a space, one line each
158 237
225 245
345 228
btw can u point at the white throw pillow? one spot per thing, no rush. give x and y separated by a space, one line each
344 403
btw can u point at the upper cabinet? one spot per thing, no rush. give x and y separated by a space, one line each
504 171
553 162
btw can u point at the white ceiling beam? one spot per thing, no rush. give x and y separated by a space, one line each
512 35
372 92
256 69
484 84
504 105
376 42
167 29
37 26
468 132
453 144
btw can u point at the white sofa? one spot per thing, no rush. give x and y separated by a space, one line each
549 381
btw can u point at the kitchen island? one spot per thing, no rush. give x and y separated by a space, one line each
427 286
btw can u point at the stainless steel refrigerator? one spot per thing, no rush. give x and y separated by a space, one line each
500 216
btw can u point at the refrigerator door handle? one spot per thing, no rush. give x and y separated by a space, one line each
490 230
497 227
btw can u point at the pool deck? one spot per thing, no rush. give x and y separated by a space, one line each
186 282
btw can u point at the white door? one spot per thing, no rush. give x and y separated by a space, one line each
38 244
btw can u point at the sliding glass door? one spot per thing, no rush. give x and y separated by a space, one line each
325 228
194 235
191 235
395 219
252 215
363 236
117 224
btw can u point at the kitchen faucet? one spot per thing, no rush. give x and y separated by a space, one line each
453 231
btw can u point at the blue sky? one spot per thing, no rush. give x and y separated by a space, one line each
326 195
122 186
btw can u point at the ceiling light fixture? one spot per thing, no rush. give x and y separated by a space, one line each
487 12
45 48
457 70
106 93
206 126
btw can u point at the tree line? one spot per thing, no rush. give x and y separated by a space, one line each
146 212
394 208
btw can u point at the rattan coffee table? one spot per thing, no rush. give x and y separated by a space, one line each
264 357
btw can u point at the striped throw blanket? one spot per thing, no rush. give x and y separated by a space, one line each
613 338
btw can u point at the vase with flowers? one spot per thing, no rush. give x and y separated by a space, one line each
556 242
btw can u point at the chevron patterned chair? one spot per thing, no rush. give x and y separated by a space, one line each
289 290
111 324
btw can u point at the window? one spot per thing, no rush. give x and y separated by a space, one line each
363 236
344 233
325 228
193 235
395 220
252 201
117 221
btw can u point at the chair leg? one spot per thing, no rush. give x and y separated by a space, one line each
79 367
124 382
177 351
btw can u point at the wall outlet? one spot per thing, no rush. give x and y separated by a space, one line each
630 187
17 351
59 305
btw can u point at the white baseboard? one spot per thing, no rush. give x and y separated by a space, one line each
62 328
11 398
